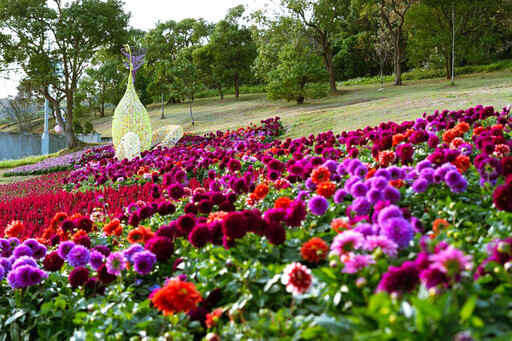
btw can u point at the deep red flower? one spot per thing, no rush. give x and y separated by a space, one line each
78 276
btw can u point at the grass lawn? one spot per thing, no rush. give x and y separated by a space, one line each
354 107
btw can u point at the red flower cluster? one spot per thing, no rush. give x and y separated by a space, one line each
176 296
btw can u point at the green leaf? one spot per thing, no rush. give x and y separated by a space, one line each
468 308
427 308
14 317
332 326
46 308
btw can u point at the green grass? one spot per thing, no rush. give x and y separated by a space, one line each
29 160
355 106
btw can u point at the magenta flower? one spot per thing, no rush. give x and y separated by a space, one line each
116 262
387 246
451 261
346 242
357 263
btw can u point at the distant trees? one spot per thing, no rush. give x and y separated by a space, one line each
232 49
322 20
287 61
54 44
297 52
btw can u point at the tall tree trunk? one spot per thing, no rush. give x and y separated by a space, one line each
448 67
381 71
331 70
73 141
190 109
102 108
221 94
397 57
237 90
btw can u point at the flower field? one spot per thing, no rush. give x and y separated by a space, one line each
397 232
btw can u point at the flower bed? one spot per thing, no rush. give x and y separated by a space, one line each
46 166
44 184
401 231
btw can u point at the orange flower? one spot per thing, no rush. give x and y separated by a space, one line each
58 219
176 296
326 189
449 135
261 191
478 130
140 234
320 174
314 250
64 235
397 139
75 216
44 241
371 173
111 227
462 163
463 127
216 216
408 133
439 224
282 202
339 225
14 229
397 183
136 236
48 232
213 318
79 233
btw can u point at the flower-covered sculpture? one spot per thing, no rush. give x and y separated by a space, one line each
131 127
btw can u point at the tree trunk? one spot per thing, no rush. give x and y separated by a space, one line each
73 141
237 90
190 108
447 64
221 94
397 58
331 70
381 72
102 108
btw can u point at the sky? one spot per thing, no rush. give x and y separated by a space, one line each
146 13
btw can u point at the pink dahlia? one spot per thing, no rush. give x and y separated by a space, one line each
347 241
297 278
450 261
356 263
387 246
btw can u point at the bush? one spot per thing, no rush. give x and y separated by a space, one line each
417 74
88 128
77 127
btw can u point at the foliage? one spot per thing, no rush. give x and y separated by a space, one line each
53 44
476 24
297 77
451 271
322 21
233 49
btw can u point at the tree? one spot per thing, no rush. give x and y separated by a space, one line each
20 111
102 84
185 80
54 44
393 13
164 43
441 29
232 48
322 19
207 68
287 61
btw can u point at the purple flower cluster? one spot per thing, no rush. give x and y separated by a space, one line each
18 262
